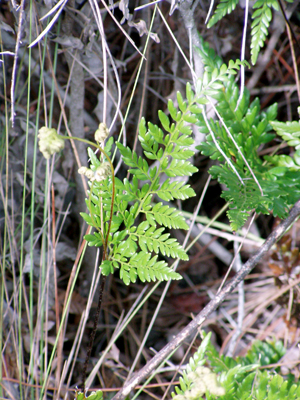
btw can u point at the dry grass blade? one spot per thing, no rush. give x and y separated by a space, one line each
60 4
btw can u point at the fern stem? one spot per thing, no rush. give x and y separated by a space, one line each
93 333
113 186
159 169
92 216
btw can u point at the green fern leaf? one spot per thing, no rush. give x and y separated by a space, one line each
87 218
164 119
95 162
107 267
151 239
289 131
167 216
94 239
175 114
210 59
131 159
180 153
156 133
223 8
180 168
113 202
146 268
189 93
108 146
259 27
181 103
175 190
237 218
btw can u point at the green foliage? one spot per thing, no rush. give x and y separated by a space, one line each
128 223
223 8
126 219
262 17
93 396
289 131
252 184
226 378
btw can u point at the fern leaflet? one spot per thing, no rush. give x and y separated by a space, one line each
223 8
262 17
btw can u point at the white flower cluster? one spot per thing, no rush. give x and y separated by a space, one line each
204 380
50 142
101 173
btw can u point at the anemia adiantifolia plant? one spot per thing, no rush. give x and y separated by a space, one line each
130 216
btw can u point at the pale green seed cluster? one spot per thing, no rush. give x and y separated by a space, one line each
204 380
86 172
101 133
101 173
50 142
104 170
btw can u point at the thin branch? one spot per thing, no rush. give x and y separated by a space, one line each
187 14
93 333
242 88
241 304
209 11
212 305
295 65
14 69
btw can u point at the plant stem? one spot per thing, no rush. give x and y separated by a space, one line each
93 333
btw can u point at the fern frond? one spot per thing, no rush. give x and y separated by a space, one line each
223 8
262 17
247 128
237 379
196 379
165 215
151 239
144 266
139 164
289 131
175 190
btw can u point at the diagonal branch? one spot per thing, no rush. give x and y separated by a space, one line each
211 306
